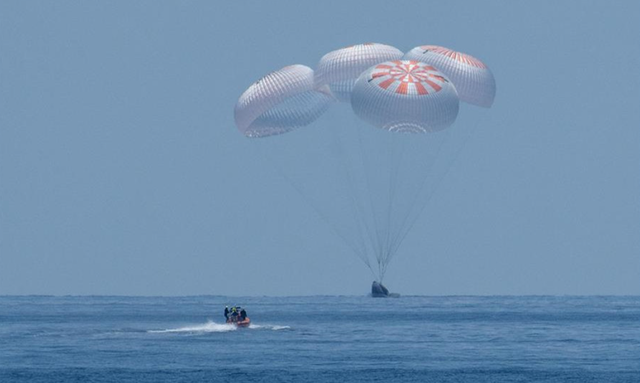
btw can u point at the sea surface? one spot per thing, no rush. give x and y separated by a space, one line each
320 339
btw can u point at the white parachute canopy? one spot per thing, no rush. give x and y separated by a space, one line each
341 68
280 102
471 77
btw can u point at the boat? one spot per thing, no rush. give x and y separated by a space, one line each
240 323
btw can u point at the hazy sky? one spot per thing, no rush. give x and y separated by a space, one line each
121 170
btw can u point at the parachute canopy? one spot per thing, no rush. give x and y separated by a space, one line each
280 102
341 68
405 96
472 78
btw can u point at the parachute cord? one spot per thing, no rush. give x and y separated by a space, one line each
390 152
375 242
373 274
383 272
297 188
362 222
395 161
351 192
414 201
448 168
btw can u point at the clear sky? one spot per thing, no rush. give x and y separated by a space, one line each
121 170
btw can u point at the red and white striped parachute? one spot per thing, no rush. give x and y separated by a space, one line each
472 78
405 96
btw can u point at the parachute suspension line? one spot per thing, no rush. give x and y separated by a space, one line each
386 223
375 242
383 271
392 250
448 168
373 274
402 228
351 192
356 201
395 161
359 252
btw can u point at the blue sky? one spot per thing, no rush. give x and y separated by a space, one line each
121 171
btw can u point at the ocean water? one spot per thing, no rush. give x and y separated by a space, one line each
320 339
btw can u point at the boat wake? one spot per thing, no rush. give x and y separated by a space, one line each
268 327
211 326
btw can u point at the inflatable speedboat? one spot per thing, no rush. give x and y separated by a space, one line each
240 322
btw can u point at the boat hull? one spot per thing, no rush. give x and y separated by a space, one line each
241 323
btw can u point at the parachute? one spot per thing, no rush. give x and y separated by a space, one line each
369 177
405 96
472 78
280 102
341 68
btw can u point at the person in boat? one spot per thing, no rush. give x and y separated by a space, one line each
234 314
226 312
243 314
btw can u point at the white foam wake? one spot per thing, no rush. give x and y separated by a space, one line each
206 327
268 327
